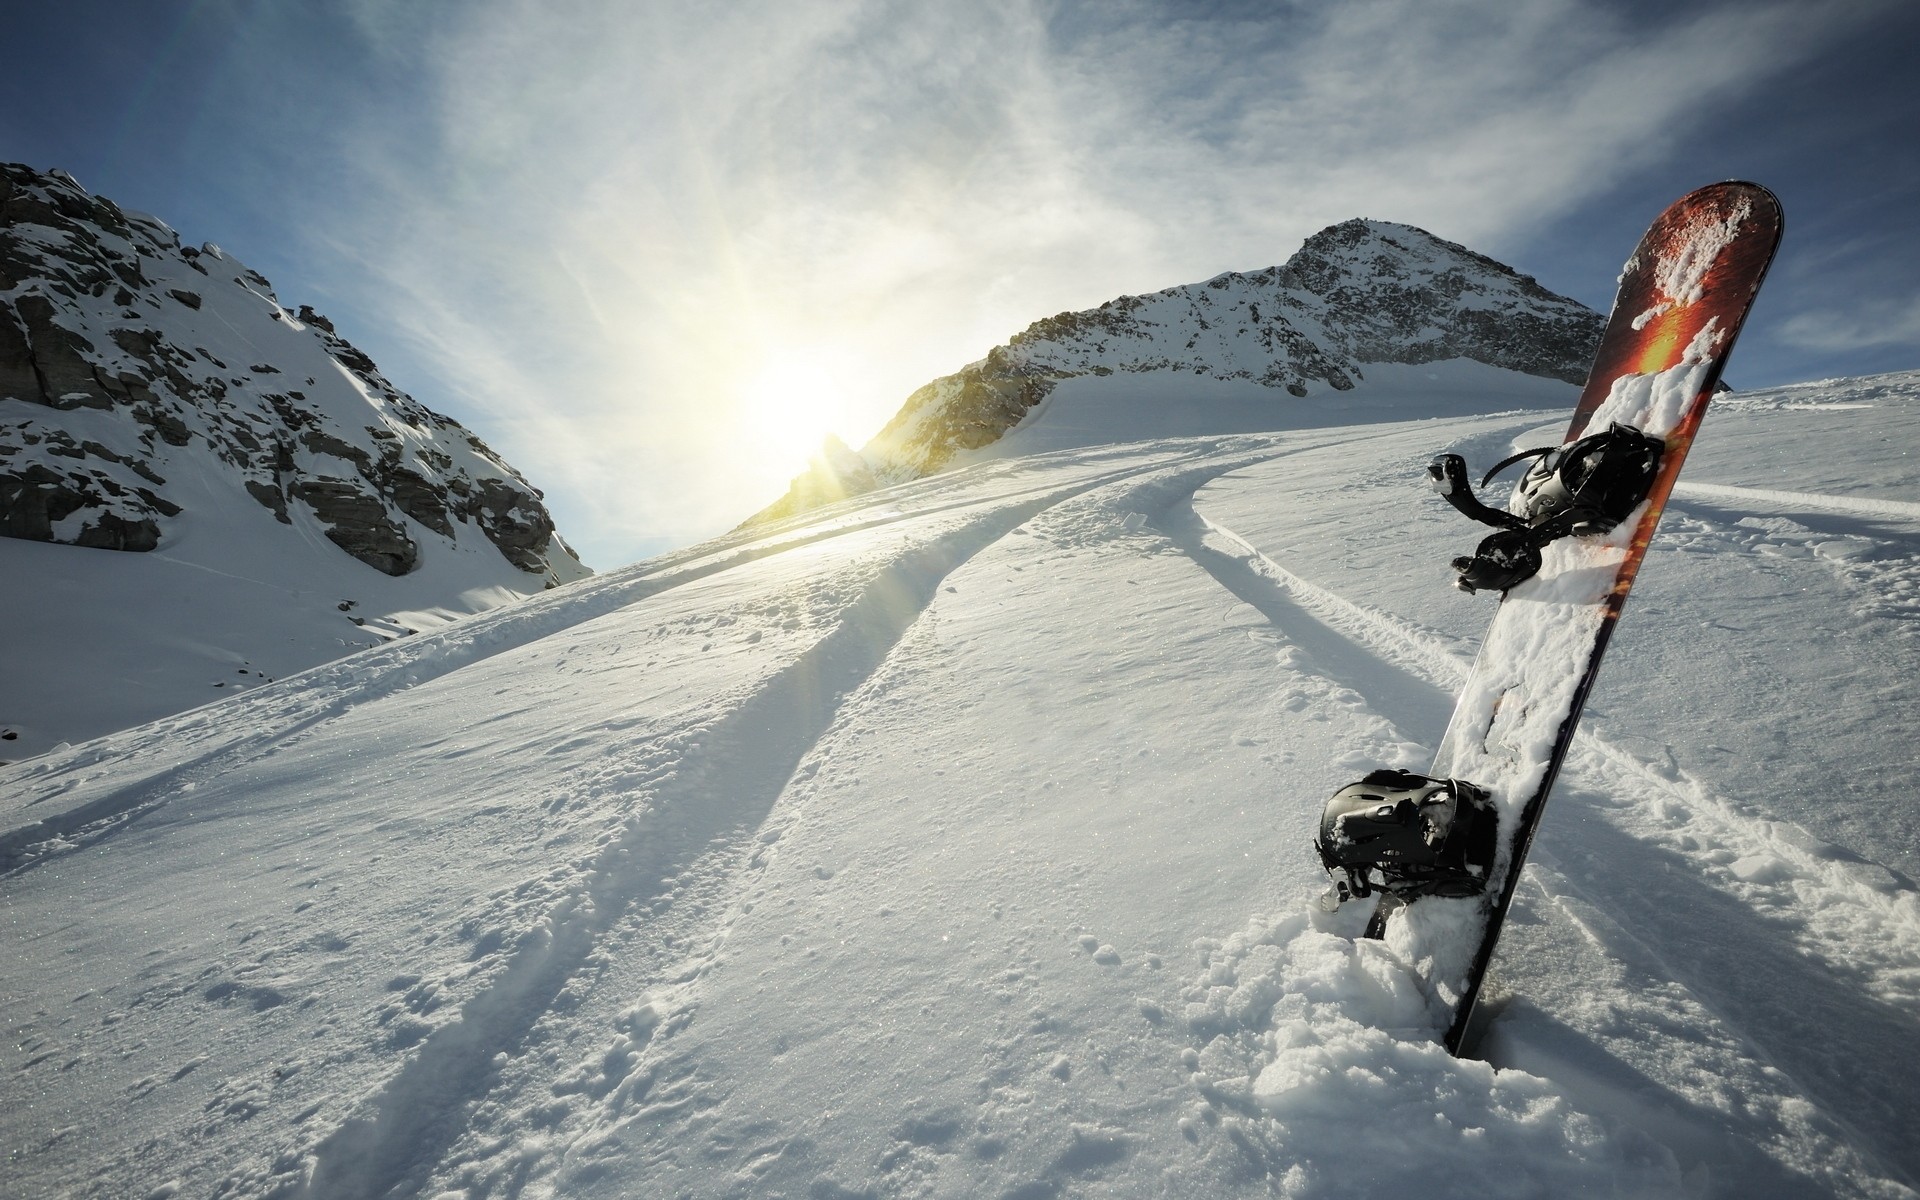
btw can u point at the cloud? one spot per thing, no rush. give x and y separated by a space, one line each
1480 120
1857 327
622 213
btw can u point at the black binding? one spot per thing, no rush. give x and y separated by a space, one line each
1409 836
1584 487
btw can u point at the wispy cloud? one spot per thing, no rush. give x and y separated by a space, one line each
623 212
1859 328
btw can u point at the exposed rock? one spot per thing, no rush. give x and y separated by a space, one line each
357 521
421 499
59 358
272 498
111 531
36 499
521 529
17 376
33 497
98 312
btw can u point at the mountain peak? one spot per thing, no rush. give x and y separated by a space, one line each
1356 293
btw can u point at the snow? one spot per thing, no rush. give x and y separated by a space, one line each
955 841
1682 276
1654 403
228 602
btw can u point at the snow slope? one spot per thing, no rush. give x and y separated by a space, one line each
99 640
953 841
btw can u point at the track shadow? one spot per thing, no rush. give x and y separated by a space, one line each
744 764
1851 1054
1415 707
1712 1154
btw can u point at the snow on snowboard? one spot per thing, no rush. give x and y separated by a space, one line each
1442 852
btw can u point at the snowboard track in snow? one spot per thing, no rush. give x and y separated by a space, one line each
1742 992
406 1128
202 749
1860 505
1409 699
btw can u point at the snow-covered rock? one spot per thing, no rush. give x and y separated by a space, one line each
280 497
127 357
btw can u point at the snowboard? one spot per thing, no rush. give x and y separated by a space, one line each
1682 298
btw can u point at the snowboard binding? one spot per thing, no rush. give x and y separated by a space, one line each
1409 836
1585 487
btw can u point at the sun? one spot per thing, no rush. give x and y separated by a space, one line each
789 407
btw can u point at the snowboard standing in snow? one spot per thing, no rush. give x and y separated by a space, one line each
1444 850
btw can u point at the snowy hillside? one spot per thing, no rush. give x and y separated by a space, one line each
1356 298
274 499
953 841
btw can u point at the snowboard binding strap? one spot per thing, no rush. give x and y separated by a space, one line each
1585 487
1409 836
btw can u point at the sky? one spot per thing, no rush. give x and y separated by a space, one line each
652 251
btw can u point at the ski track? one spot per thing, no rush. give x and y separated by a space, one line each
1730 894
1897 509
746 757
1713 941
256 724
1866 892
1598 1011
403 1133
1360 678
1882 578
637 1077
560 912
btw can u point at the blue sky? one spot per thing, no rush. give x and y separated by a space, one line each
650 250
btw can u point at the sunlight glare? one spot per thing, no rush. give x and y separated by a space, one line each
790 406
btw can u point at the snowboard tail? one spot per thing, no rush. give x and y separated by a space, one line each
1683 296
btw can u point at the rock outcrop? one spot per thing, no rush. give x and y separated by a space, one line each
130 362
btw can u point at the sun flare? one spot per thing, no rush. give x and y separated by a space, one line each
790 406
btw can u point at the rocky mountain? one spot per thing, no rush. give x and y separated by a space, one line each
1355 294
203 489
128 359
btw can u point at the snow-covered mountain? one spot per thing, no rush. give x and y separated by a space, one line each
1354 297
954 841
158 399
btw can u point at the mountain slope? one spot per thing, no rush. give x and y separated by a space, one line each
157 399
1354 295
954 841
